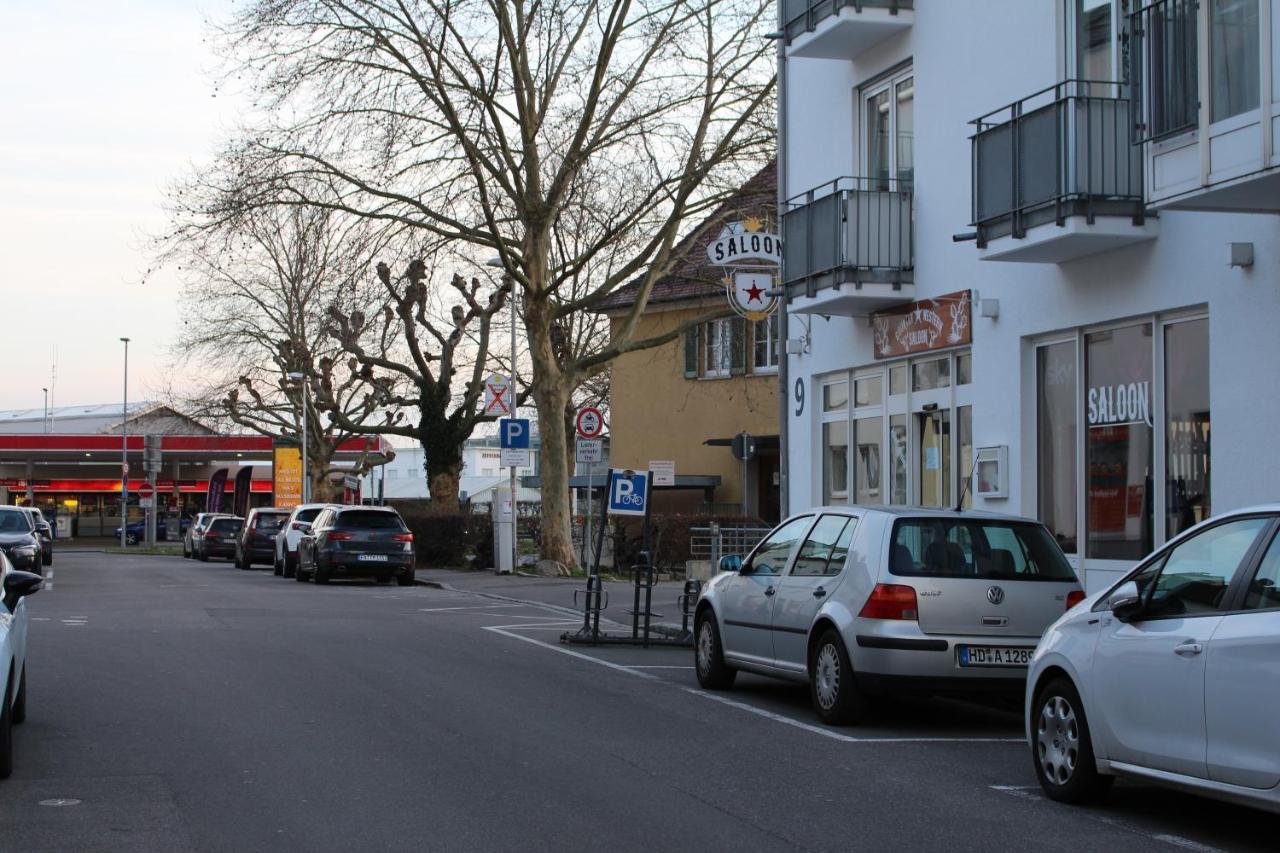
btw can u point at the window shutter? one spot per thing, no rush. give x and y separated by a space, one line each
691 353
738 345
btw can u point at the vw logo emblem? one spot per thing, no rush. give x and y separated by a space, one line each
995 595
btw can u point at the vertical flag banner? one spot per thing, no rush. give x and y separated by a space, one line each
286 476
218 482
240 503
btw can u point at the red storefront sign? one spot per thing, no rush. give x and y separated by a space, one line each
922 326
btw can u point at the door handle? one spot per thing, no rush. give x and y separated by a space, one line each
819 593
1188 650
770 591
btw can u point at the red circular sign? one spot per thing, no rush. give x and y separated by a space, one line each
146 490
590 422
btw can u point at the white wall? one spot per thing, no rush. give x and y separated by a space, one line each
969 58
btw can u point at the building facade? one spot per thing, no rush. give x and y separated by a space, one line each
1029 236
685 400
404 477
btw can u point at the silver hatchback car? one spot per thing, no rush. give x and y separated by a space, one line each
860 601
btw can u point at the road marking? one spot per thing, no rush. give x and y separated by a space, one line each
1031 793
508 631
657 666
468 607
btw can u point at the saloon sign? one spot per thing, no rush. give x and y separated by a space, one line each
743 241
922 326
751 257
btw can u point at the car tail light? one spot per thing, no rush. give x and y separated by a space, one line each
891 601
298 525
212 534
339 536
402 537
1074 597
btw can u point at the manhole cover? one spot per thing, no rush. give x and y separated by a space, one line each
60 801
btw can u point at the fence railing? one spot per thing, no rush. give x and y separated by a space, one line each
803 15
1163 69
714 541
1065 150
855 224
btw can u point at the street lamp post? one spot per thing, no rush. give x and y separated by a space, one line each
124 454
300 378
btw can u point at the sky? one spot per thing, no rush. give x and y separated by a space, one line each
102 106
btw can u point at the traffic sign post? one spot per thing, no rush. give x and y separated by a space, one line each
589 423
629 493
514 440
497 395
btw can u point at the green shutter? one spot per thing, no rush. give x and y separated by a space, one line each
738 345
691 353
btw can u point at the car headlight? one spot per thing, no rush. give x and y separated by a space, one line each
25 550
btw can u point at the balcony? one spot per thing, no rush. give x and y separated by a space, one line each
842 29
1206 135
848 247
1055 177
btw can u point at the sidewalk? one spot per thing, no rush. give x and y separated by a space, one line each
558 593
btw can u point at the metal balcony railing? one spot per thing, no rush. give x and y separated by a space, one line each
852 228
1162 69
803 16
1064 151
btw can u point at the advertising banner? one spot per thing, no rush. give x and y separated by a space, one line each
218 482
286 476
922 326
240 503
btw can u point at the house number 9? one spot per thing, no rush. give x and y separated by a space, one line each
799 397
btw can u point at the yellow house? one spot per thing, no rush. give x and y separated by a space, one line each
685 401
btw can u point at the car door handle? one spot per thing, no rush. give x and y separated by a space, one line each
770 591
819 593
1188 650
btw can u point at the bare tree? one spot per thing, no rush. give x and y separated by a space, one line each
573 139
259 292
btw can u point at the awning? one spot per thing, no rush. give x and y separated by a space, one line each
763 442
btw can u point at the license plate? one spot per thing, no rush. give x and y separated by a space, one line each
373 558
994 656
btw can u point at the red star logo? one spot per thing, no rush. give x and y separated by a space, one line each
754 293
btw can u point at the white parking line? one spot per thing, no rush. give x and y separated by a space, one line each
657 666
509 631
469 607
1031 793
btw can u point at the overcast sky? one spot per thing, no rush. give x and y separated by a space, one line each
102 105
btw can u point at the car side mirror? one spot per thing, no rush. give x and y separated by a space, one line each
18 585
731 563
1125 602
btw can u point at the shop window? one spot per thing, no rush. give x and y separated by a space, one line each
964 368
1186 382
1118 450
898 453
868 432
964 425
835 462
764 336
835 396
1057 440
868 391
929 375
898 379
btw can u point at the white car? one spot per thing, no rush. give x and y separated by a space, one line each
299 522
859 601
1171 675
13 655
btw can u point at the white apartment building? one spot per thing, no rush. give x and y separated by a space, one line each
1041 234
405 475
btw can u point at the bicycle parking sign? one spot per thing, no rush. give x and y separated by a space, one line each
628 492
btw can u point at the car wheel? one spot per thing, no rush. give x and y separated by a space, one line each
277 568
835 695
1061 747
131 539
405 578
320 574
204 556
47 558
244 561
186 552
6 737
290 565
708 654
20 704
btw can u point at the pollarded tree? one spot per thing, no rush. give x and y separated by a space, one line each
576 140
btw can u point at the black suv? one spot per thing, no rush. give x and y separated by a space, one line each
357 541
219 540
20 540
257 539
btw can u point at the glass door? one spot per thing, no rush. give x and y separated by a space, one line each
933 441
889 131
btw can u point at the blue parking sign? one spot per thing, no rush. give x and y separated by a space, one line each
628 492
513 433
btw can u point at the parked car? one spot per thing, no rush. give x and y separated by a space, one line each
45 531
196 529
1171 675
356 541
286 557
858 601
136 531
219 538
257 539
17 586
19 539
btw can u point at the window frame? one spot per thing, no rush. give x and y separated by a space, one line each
1272 539
887 82
849 520
749 561
773 328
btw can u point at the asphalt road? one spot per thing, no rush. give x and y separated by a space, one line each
177 705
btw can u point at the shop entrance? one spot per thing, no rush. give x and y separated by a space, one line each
933 440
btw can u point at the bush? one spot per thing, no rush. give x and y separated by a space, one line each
448 540
669 535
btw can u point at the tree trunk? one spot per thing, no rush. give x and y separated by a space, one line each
550 391
442 461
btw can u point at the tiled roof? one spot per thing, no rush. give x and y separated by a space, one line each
692 275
